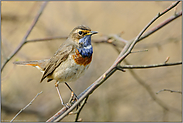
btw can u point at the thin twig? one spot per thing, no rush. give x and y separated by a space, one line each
159 26
27 34
9 73
148 88
116 37
145 50
26 106
150 91
167 59
46 39
129 46
80 108
148 66
169 90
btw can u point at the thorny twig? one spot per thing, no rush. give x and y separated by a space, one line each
27 34
26 106
124 53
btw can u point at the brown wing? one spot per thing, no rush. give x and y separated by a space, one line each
60 56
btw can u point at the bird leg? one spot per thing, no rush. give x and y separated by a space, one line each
56 86
73 97
72 92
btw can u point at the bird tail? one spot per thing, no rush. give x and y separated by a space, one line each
40 64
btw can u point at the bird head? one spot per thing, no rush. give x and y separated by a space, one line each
81 36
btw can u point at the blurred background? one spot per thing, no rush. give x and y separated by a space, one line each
121 97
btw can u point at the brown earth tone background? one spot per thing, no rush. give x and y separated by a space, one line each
121 97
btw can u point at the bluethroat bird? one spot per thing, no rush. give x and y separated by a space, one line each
70 61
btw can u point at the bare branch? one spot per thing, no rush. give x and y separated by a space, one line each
26 106
57 115
46 39
117 38
148 66
145 50
169 90
159 26
129 46
148 89
80 108
27 34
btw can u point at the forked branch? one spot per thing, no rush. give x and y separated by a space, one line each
27 34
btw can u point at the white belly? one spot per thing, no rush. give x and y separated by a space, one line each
68 71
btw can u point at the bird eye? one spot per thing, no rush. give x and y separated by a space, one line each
80 32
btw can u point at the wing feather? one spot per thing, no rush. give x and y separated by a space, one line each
60 56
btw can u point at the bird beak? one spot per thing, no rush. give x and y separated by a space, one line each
92 32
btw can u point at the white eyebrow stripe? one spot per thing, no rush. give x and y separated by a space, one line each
75 31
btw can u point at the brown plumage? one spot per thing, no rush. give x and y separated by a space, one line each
70 60
69 47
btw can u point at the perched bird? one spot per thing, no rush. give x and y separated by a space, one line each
71 59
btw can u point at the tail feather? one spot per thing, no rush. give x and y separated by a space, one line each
40 64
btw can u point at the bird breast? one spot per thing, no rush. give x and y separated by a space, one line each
81 60
72 68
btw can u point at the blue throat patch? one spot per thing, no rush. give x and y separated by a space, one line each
85 47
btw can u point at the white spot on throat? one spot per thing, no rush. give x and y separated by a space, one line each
88 47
